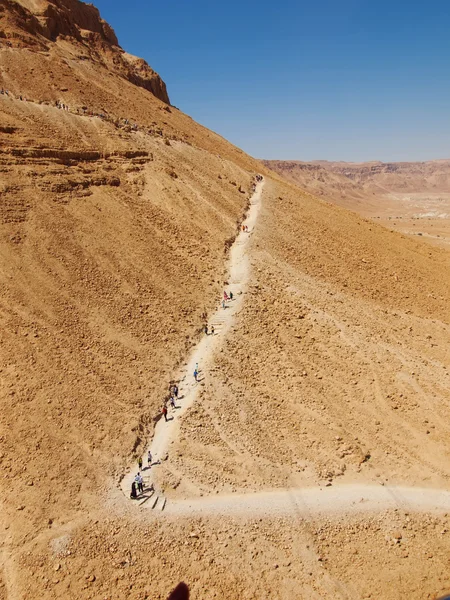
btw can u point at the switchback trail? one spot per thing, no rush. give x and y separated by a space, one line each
238 274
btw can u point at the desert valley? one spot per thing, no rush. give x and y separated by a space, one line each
309 455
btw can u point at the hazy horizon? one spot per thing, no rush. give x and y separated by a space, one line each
338 160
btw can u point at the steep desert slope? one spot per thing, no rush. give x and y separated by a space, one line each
115 217
413 198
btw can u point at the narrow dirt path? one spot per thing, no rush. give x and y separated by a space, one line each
316 501
221 320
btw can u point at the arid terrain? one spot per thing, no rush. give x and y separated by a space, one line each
311 459
413 198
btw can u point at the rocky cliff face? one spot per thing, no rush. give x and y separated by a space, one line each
39 25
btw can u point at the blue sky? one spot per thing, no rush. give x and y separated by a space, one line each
293 79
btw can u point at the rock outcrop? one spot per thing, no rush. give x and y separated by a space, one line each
40 24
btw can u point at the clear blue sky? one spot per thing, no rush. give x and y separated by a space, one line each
295 79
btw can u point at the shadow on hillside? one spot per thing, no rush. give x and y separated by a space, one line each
181 592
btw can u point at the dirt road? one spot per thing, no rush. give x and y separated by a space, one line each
316 501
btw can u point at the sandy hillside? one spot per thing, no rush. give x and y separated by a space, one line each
117 213
413 198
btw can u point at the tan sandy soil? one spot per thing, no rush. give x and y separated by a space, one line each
390 555
113 242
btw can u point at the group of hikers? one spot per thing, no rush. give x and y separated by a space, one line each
258 178
118 122
61 105
170 400
137 487
226 298
208 331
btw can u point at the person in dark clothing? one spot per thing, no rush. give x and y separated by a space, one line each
140 464
133 494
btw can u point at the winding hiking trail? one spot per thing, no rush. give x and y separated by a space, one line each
303 502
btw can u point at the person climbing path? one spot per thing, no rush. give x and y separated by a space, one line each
139 483
164 412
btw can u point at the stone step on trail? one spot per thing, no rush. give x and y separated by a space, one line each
147 498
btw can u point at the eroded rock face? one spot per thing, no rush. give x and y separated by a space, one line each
69 17
37 24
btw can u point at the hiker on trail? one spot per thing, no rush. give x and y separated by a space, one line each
164 412
175 390
243 227
212 330
133 494
205 328
140 483
231 295
172 402
223 304
225 295
140 464
196 374
149 459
